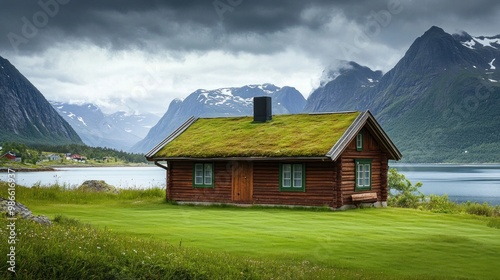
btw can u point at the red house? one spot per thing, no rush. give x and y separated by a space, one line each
335 159
11 156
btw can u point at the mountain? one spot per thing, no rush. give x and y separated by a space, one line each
348 87
118 130
440 102
236 101
25 115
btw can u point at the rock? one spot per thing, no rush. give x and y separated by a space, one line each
97 186
21 211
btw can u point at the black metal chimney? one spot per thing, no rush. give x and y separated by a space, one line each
262 109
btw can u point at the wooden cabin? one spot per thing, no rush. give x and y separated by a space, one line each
335 159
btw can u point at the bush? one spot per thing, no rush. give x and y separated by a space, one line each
440 204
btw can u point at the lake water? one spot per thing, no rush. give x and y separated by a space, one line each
462 183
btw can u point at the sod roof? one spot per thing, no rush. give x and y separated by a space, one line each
301 135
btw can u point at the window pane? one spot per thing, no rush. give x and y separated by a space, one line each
198 174
367 175
287 175
208 174
297 175
359 141
359 175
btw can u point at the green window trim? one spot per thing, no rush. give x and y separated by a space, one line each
203 175
359 141
292 177
363 175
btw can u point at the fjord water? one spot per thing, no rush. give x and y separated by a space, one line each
120 177
462 183
479 183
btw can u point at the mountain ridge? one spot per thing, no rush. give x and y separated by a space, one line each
118 130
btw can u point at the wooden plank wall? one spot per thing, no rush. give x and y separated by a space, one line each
180 183
346 163
320 185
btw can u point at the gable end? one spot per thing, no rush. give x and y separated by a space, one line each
364 119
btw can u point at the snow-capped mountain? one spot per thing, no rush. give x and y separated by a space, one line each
118 131
236 101
440 102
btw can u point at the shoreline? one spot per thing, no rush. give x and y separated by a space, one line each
26 169
4 169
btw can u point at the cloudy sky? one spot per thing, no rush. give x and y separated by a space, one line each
139 55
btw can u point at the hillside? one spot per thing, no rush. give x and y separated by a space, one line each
25 115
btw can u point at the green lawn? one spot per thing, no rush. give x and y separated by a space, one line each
400 243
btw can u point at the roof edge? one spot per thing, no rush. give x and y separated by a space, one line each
324 158
171 137
343 141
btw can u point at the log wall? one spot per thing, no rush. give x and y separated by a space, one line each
319 185
180 183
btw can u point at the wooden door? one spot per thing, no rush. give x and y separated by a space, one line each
242 181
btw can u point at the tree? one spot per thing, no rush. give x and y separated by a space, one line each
402 193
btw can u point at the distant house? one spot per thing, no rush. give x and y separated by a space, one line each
53 157
77 157
11 156
335 159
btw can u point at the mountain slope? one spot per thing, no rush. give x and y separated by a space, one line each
219 103
118 131
441 102
25 115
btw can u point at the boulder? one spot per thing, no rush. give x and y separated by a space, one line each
21 211
97 186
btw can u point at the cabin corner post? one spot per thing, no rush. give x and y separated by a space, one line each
338 187
384 187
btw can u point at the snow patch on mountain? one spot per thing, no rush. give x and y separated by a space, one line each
82 121
469 44
483 41
491 64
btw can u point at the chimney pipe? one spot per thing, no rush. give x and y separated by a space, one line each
262 109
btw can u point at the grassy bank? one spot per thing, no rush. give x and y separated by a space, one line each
255 243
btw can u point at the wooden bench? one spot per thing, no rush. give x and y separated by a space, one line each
364 197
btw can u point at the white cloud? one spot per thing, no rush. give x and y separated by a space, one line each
135 81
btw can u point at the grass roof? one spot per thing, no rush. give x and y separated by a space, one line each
285 136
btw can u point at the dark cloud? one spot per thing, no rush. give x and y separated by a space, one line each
201 25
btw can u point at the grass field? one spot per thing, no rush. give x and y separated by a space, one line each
363 243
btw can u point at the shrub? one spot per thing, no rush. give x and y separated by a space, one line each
479 209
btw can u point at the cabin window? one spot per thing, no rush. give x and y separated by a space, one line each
363 174
203 175
292 177
359 142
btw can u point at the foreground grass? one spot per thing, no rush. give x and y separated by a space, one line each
227 242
